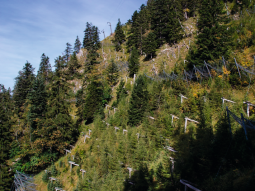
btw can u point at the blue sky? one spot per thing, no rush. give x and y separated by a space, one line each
29 28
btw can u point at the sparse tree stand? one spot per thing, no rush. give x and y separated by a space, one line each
119 37
133 64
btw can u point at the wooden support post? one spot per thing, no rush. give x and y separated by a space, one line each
188 184
182 96
170 149
186 121
51 179
67 151
71 146
114 109
151 117
172 160
137 135
223 99
173 116
72 163
116 129
57 189
130 170
248 107
244 127
134 78
237 68
89 132
208 69
110 27
82 172
86 136
124 130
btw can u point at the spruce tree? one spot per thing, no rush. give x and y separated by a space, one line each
214 39
138 102
77 45
112 73
119 36
93 100
73 67
5 139
23 84
38 105
150 45
45 68
68 52
58 130
133 64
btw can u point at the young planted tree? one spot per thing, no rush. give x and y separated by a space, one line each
133 64
77 45
112 73
119 37
138 102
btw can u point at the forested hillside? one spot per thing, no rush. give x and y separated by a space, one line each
167 102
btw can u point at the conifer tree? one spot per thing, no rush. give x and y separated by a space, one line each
45 68
68 52
133 64
57 130
138 102
5 140
214 39
38 105
93 100
119 36
23 83
73 67
165 21
112 73
77 45
121 91
150 45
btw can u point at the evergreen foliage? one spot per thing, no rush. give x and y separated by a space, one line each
45 68
38 105
23 84
138 102
112 73
67 53
73 67
93 100
213 40
150 45
77 45
119 36
133 64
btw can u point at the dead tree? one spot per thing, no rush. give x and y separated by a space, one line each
171 149
110 27
151 117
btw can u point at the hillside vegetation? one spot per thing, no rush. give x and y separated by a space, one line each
114 107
